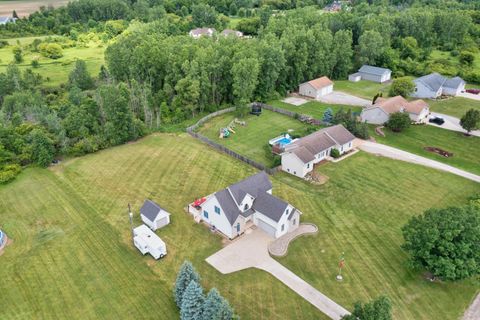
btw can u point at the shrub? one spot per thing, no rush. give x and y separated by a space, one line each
466 58
51 50
445 241
9 172
402 86
378 309
398 121
35 63
17 54
334 153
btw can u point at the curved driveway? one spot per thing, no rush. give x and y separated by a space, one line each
451 123
394 153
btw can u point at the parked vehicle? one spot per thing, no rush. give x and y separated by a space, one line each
437 120
473 91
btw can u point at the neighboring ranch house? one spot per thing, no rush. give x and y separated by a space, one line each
147 241
153 215
200 32
244 204
5 20
380 111
371 73
230 32
300 156
435 85
316 88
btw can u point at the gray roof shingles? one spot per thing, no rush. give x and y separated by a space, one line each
253 185
373 70
150 210
453 82
433 80
270 206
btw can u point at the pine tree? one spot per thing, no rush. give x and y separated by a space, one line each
328 115
186 274
192 302
80 77
216 307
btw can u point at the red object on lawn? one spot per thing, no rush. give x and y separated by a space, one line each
198 202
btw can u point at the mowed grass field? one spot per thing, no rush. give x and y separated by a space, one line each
252 139
363 88
466 150
314 109
56 71
72 257
456 107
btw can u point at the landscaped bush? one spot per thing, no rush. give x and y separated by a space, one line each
398 121
9 172
378 309
51 50
334 153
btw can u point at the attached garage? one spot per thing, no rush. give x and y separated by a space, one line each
269 229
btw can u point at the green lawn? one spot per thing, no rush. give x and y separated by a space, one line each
72 257
363 88
454 61
252 140
466 150
312 108
55 72
456 107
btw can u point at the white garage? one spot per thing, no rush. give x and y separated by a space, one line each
153 215
270 230
316 88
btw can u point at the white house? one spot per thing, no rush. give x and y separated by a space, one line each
230 32
244 204
5 20
371 73
380 111
147 241
434 85
316 88
200 32
153 215
300 156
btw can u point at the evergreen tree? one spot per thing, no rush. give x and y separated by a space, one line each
14 14
80 77
471 120
186 274
328 115
43 150
192 302
216 307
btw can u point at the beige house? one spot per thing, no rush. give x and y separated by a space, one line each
380 111
201 32
300 156
316 88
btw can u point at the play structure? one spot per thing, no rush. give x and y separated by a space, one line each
256 109
225 132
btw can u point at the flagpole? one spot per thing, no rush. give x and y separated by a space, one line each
341 264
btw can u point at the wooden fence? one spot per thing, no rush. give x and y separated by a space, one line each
219 147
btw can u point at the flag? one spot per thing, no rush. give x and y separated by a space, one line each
341 263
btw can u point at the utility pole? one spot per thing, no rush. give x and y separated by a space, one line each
130 215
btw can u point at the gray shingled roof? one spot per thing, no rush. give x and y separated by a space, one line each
453 82
150 210
228 205
303 154
433 80
270 206
374 70
253 185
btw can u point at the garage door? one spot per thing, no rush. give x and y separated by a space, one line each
266 227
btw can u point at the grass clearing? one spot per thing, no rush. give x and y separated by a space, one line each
454 62
312 108
72 257
363 88
455 107
465 149
252 140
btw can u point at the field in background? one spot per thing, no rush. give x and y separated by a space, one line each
26 7
72 257
312 108
363 89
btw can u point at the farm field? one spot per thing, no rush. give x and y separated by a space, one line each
456 107
71 255
363 89
55 72
26 7
312 108
252 140
465 149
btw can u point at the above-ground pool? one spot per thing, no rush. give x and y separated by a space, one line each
282 140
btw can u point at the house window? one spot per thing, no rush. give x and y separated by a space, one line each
283 227
288 170
308 165
238 227
245 207
217 209
286 211
205 213
294 172
349 144
294 221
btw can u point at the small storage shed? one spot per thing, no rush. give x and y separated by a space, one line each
148 242
153 215
355 77
316 88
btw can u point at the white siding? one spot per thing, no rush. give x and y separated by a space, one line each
293 165
422 91
324 91
354 77
345 147
374 116
220 221
306 89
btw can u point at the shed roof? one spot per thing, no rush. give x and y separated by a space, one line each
374 70
152 210
320 83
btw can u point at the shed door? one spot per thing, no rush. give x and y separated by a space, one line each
162 222
266 227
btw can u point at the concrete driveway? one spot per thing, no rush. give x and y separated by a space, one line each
451 123
394 153
338 97
469 96
251 251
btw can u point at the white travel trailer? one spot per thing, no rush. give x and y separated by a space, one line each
148 242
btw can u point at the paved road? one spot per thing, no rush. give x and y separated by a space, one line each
338 97
394 153
251 251
473 312
451 123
